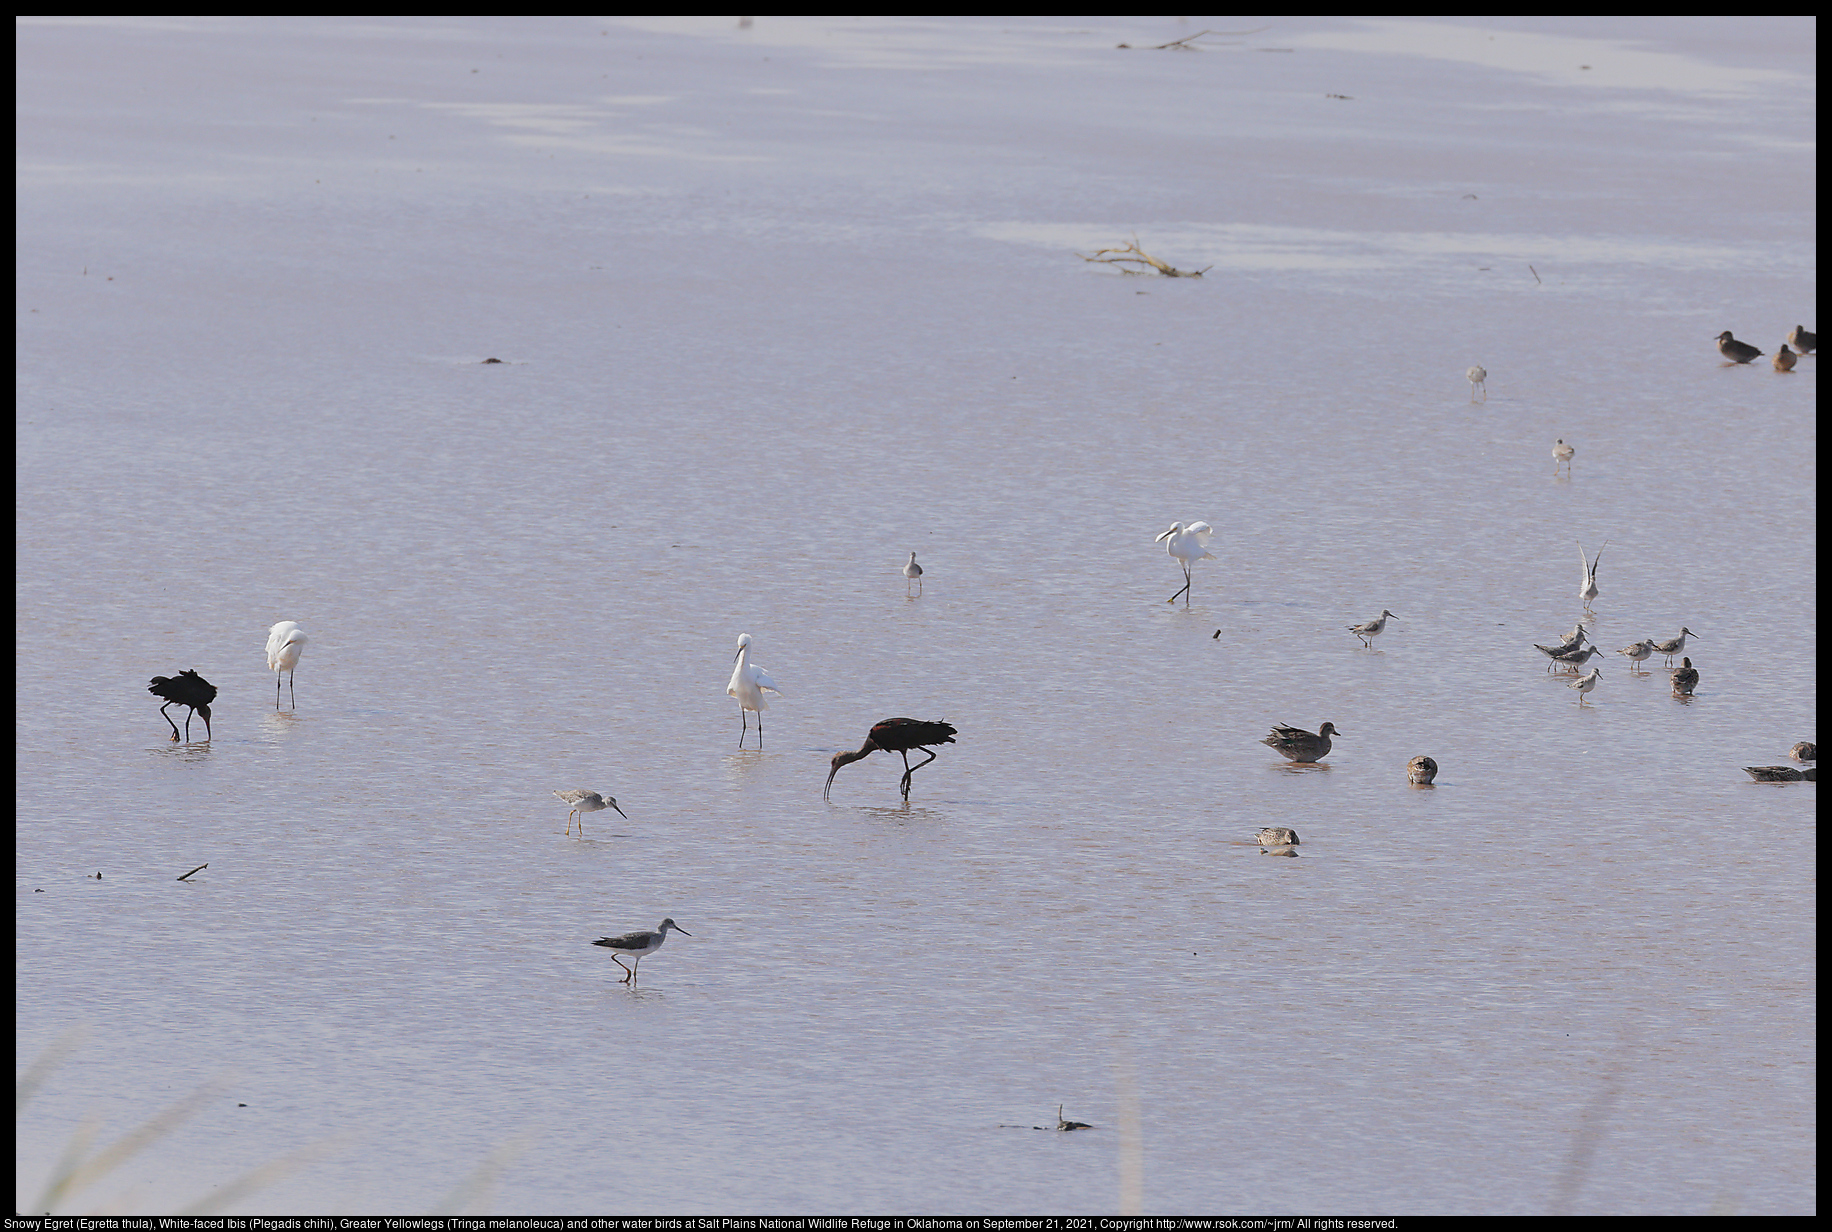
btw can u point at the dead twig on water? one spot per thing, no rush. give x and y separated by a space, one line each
1133 255
200 868
1188 41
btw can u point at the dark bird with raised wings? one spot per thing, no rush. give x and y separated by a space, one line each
187 688
896 736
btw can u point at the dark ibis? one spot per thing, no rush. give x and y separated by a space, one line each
187 688
896 736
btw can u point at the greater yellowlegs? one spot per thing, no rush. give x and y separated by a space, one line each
1478 376
1562 455
1685 679
587 802
638 944
1784 359
285 643
1296 744
1278 836
1637 653
1675 645
1736 352
1779 774
1803 342
1571 640
1422 771
1187 545
913 572
1369 630
1584 684
1806 750
1588 591
1574 658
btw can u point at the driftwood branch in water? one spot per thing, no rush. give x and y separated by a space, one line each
1188 41
1132 255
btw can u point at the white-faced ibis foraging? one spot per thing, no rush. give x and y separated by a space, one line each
1780 774
1477 375
913 572
285 642
1562 455
1187 545
1367 631
1296 744
1685 679
586 802
1588 591
1421 771
1785 359
1736 352
638 944
187 688
896 736
747 685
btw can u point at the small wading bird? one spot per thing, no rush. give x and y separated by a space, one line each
1188 544
638 944
1803 342
1780 774
1736 352
1278 836
1296 744
1422 771
1584 684
913 572
1576 657
1572 639
1637 654
895 736
1372 629
1784 359
1675 645
285 642
1588 591
187 688
1562 455
587 802
1685 679
1477 375
747 685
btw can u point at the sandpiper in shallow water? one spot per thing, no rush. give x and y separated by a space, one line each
1673 646
1369 630
1562 455
1584 684
586 802
1637 653
1478 376
638 944
913 572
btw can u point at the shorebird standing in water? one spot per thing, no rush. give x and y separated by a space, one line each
1736 352
1584 684
1588 591
587 802
1369 630
1637 653
1562 455
1675 645
1188 544
1477 375
638 944
913 572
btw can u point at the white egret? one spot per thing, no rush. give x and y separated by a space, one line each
747 685
1187 545
285 643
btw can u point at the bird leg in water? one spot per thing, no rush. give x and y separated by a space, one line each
908 769
168 719
1185 592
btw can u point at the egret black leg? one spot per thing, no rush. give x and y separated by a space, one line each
1185 592
291 694
744 725
276 690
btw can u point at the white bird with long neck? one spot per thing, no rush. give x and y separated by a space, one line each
747 685
285 643
1187 545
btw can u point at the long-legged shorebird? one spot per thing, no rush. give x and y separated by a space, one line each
1562 455
1584 684
748 683
1685 679
587 802
896 736
913 572
1673 646
1588 591
1784 359
1296 744
1803 341
1367 631
1736 352
187 688
1574 658
637 945
1637 653
1478 376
